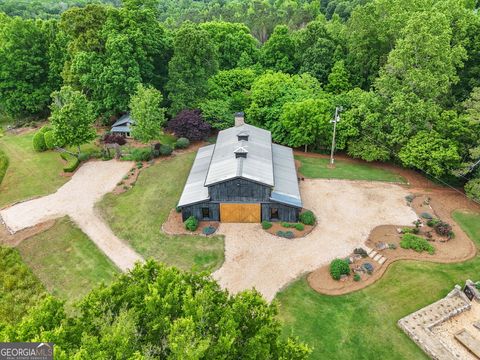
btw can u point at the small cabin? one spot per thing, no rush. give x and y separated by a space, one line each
123 126
243 177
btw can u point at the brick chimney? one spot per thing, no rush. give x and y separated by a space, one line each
239 119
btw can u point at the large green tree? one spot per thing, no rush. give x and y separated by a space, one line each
149 116
159 312
278 53
193 62
72 118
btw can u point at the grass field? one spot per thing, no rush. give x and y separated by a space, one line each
66 261
138 214
29 173
362 325
20 289
314 167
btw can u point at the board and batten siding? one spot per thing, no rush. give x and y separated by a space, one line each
196 210
239 191
285 213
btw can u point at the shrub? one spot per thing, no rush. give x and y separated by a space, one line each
182 143
339 267
165 150
409 198
414 230
83 156
368 267
266 225
191 223
112 138
286 234
72 164
472 189
189 124
39 142
356 277
299 226
178 209
426 216
443 228
416 243
361 251
49 140
307 218
140 154
433 222
208 230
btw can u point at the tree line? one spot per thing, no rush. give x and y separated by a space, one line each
406 73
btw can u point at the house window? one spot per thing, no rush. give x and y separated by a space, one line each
273 213
205 212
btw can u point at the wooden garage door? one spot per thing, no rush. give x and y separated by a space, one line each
240 213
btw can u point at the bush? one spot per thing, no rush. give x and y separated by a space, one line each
72 164
286 225
83 156
266 225
433 222
356 277
361 251
416 243
178 209
368 267
443 228
3 164
339 267
299 226
182 143
409 198
112 138
307 218
472 189
45 129
414 230
191 223
426 216
208 230
189 124
49 140
165 150
39 142
286 234
141 154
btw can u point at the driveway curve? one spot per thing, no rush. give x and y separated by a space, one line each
77 199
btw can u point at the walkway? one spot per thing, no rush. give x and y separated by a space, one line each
77 199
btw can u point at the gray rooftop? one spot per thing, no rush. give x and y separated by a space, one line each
123 120
286 183
194 190
258 166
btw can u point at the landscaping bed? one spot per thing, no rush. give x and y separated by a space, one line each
175 226
279 227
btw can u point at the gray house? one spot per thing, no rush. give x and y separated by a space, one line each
242 178
123 125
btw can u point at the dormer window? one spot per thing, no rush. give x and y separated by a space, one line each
241 152
240 155
242 137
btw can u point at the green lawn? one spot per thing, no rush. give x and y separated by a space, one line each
29 173
314 167
362 325
20 289
66 261
138 214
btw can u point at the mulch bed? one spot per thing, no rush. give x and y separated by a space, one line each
174 225
277 226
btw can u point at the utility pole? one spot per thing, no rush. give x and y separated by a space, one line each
336 119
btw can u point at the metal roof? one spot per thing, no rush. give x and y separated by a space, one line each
286 189
121 129
194 190
124 119
257 166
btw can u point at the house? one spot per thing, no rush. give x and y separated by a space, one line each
244 177
123 125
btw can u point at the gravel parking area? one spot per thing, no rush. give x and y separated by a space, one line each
77 199
346 211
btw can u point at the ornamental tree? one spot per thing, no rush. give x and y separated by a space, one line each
72 118
189 124
149 116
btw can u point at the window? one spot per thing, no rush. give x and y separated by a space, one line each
241 155
273 213
205 213
242 137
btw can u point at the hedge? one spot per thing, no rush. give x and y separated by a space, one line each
3 165
38 142
49 141
72 162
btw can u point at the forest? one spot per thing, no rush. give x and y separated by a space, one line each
406 74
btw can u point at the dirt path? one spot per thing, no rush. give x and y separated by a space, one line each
77 199
346 211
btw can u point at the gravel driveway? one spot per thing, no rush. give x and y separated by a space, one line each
77 199
346 212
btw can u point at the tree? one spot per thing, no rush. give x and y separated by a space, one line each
24 68
189 124
427 151
72 118
193 62
305 123
278 53
472 189
149 116
338 79
155 311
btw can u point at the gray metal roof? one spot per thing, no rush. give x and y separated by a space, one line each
286 189
124 119
121 129
194 190
257 166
